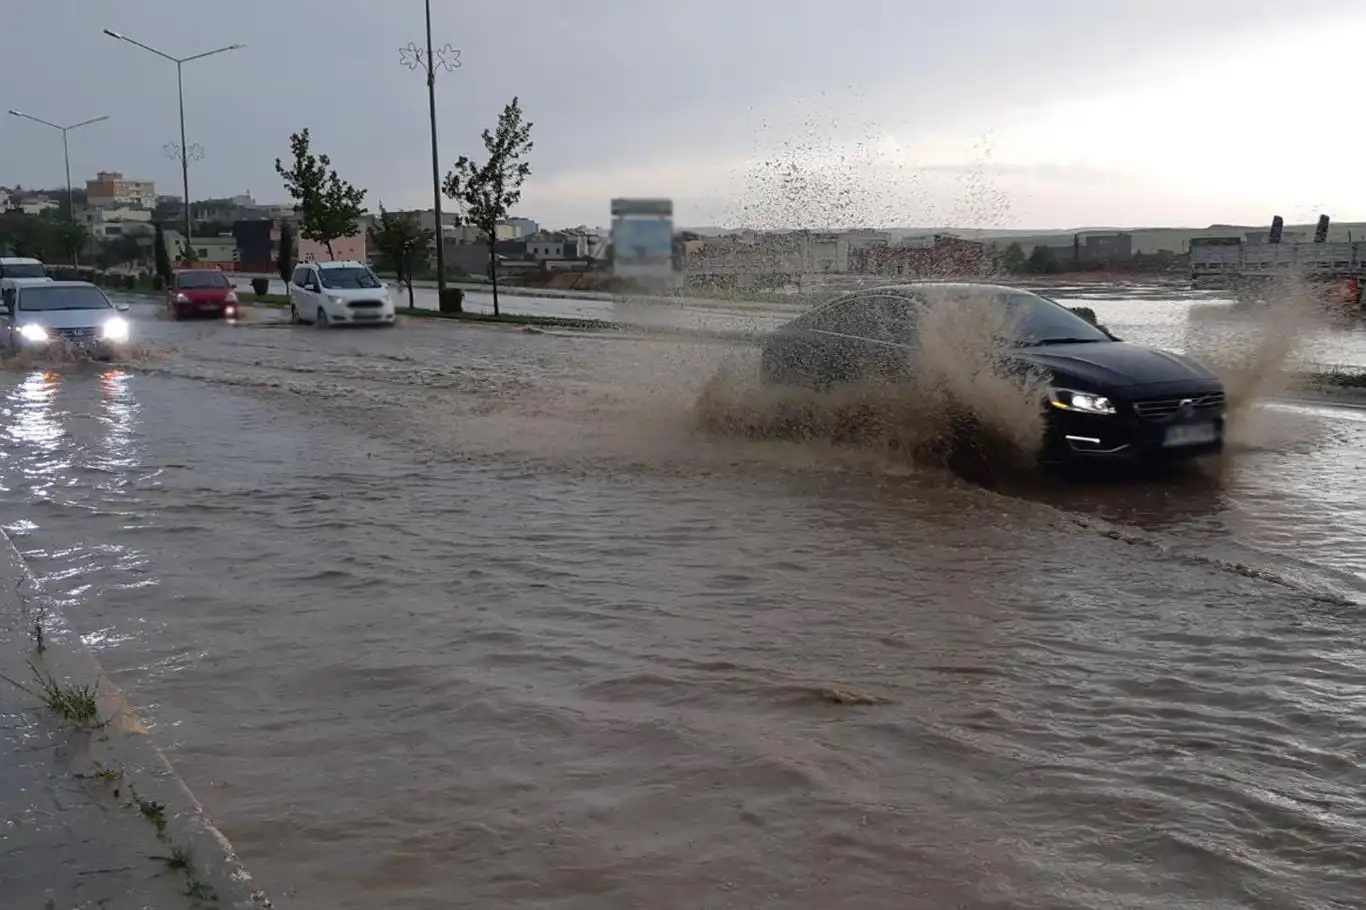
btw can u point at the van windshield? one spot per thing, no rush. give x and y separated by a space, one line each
357 277
23 270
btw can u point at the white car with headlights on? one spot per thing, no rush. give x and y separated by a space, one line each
37 317
339 293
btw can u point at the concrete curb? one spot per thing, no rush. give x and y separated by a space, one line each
124 743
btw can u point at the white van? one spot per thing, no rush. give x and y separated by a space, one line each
339 293
17 271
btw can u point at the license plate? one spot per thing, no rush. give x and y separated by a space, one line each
1191 434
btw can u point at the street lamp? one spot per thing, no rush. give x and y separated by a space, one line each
66 155
448 58
185 149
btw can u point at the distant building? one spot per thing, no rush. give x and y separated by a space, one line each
353 248
36 205
936 256
111 188
525 226
105 223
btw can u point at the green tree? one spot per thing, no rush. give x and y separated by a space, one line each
69 238
161 257
119 250
284 257
403 244
25 235
328 207
1042 261
1013 259
485 193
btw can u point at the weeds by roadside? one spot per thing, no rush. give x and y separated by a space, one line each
70 701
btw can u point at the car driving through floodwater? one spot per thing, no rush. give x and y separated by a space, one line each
76 314
1104 399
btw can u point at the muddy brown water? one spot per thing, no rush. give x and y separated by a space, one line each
448 616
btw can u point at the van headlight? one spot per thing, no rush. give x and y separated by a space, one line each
339 301
116 329
1081 402
32 332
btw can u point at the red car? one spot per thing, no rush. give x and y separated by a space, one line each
201 292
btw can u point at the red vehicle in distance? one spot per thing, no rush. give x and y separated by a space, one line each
201 293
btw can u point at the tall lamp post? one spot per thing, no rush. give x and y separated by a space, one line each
185 150
66 155
447 58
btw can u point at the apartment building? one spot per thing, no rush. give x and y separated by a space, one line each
110 188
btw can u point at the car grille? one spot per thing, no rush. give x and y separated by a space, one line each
81 334
365 304
1166 407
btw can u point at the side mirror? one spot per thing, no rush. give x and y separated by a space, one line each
121 307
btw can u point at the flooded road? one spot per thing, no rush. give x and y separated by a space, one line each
1166 315
462 616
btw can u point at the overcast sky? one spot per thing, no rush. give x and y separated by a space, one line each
1008 113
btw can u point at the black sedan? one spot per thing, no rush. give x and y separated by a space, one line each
1108 399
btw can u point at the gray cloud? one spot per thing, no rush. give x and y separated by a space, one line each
610 84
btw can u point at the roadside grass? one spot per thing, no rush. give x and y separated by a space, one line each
1339 378
74 703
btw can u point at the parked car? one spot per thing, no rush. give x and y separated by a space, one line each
201 292
77 313
339 293
1108 399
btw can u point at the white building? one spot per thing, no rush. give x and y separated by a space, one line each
104 223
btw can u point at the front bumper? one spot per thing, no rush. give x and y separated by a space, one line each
359 312
81 342
1130 438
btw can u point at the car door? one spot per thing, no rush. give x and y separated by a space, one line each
868 337
298 293
9 298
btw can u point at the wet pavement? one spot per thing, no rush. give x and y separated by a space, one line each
449 615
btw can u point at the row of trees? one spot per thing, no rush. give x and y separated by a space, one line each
46 236
329 207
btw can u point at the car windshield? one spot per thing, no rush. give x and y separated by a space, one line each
197 280
348 278
43 299
23 270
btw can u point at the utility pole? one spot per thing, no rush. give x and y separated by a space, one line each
448 59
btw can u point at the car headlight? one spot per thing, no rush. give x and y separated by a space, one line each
231 298
339 301
181 298
1081 402
33 332
116 329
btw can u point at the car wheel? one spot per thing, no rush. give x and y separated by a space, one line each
321 320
